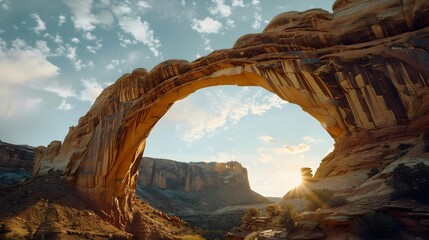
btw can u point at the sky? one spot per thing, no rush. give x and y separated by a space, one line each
57 56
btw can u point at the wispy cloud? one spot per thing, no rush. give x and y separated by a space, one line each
61 20
40 24
141 32
12 106
83 18
238 3
19 56
207 25
257 21
64 91
64 105
195 121
311 139
267 139
220 8
293 150
91 91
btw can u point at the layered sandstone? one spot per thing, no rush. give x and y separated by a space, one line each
192 177
210 195
361 71
14 156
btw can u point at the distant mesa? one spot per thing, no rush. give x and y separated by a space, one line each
212 196
192 177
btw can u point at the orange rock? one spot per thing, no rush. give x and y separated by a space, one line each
362 72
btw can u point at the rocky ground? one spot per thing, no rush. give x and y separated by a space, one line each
49 208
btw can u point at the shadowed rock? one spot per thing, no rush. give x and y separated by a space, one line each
362 72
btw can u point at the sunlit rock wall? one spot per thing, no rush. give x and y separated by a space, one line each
362 72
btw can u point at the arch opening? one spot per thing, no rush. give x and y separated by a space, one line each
272 138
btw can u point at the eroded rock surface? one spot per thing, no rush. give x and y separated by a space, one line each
361 71
14 156
212 196
192 177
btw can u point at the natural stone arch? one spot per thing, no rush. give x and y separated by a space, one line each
362 80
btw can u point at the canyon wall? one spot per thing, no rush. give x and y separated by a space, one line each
192 177
361 71
16 156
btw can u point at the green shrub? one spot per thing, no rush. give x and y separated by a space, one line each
376 225
273 210
412 182
286 218
251 213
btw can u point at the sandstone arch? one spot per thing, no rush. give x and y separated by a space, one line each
362 74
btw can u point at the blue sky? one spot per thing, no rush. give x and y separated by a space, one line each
57 56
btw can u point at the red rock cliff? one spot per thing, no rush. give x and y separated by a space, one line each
361 71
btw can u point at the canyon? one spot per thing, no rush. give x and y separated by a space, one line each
361 71
212 196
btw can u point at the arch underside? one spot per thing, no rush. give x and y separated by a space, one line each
362 88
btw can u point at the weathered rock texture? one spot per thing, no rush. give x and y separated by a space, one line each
16 156
212 196
192 177
362 72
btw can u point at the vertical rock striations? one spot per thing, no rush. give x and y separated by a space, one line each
192 177
361 71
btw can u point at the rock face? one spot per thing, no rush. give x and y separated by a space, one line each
212 196
16 156
192 177
361 71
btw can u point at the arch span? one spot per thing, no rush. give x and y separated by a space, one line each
363 80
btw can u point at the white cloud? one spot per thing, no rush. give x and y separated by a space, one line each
89 36
310 139
257 23
255 2
237 3
207 25
12 106
64 105
64 91
230 23
40 24
75 40
61 20
93 49
57 39
82 18
196 122
293 150
5 4
91 91
183 3
143 4
114 63
23 64
141 32
267 139
220 8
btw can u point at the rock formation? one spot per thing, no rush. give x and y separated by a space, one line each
212 196
16 156
192 177
361 71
